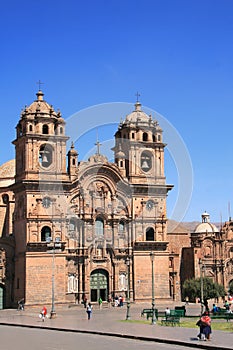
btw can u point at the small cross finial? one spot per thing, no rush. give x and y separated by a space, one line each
137 94
98 144
39 83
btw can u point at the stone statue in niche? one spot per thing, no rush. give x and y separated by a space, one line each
2 265
71 266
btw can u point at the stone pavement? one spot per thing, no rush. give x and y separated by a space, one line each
111 321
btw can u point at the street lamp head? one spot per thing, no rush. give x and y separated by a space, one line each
152 256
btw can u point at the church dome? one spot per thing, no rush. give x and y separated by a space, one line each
72 150
40 106
7 173
206 226
137 115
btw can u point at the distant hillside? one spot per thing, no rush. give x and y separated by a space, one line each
179 227
191 225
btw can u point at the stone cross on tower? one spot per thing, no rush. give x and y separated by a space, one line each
98 144
137 94
39 83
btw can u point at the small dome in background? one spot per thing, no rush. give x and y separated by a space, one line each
7 173
206 226
73 150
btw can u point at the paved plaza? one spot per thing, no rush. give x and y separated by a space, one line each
111 321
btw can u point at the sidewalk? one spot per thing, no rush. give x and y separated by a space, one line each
111 321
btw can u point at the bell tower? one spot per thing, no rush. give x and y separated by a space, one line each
139 141
41 175
139 155
40 142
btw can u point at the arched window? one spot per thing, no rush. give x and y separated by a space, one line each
99 226
61 131
231 253
45 129
30 127
122 281
146 162
73 228
46 234
207 251
159 137
72 225
5 198
154 138
121 226
72 284
45 155
145 136
150 234
19 131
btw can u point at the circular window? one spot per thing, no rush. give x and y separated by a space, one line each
46 202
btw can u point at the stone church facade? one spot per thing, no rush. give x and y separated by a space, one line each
76 226
210 254
71 228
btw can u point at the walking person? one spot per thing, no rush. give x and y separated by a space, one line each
89 311
100 301
109 300
21 304
43 313
84 301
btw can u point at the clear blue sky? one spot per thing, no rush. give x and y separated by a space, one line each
177 53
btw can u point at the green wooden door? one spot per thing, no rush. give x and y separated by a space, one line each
99 285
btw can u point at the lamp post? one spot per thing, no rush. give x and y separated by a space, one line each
201 280
152 256
128 288
52 246
53 312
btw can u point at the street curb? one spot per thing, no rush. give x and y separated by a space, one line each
121 335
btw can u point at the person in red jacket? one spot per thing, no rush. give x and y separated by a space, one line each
205 326
44 313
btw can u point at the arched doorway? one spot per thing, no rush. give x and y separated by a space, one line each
99 285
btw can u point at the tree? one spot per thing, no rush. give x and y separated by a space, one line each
192 289
230 290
